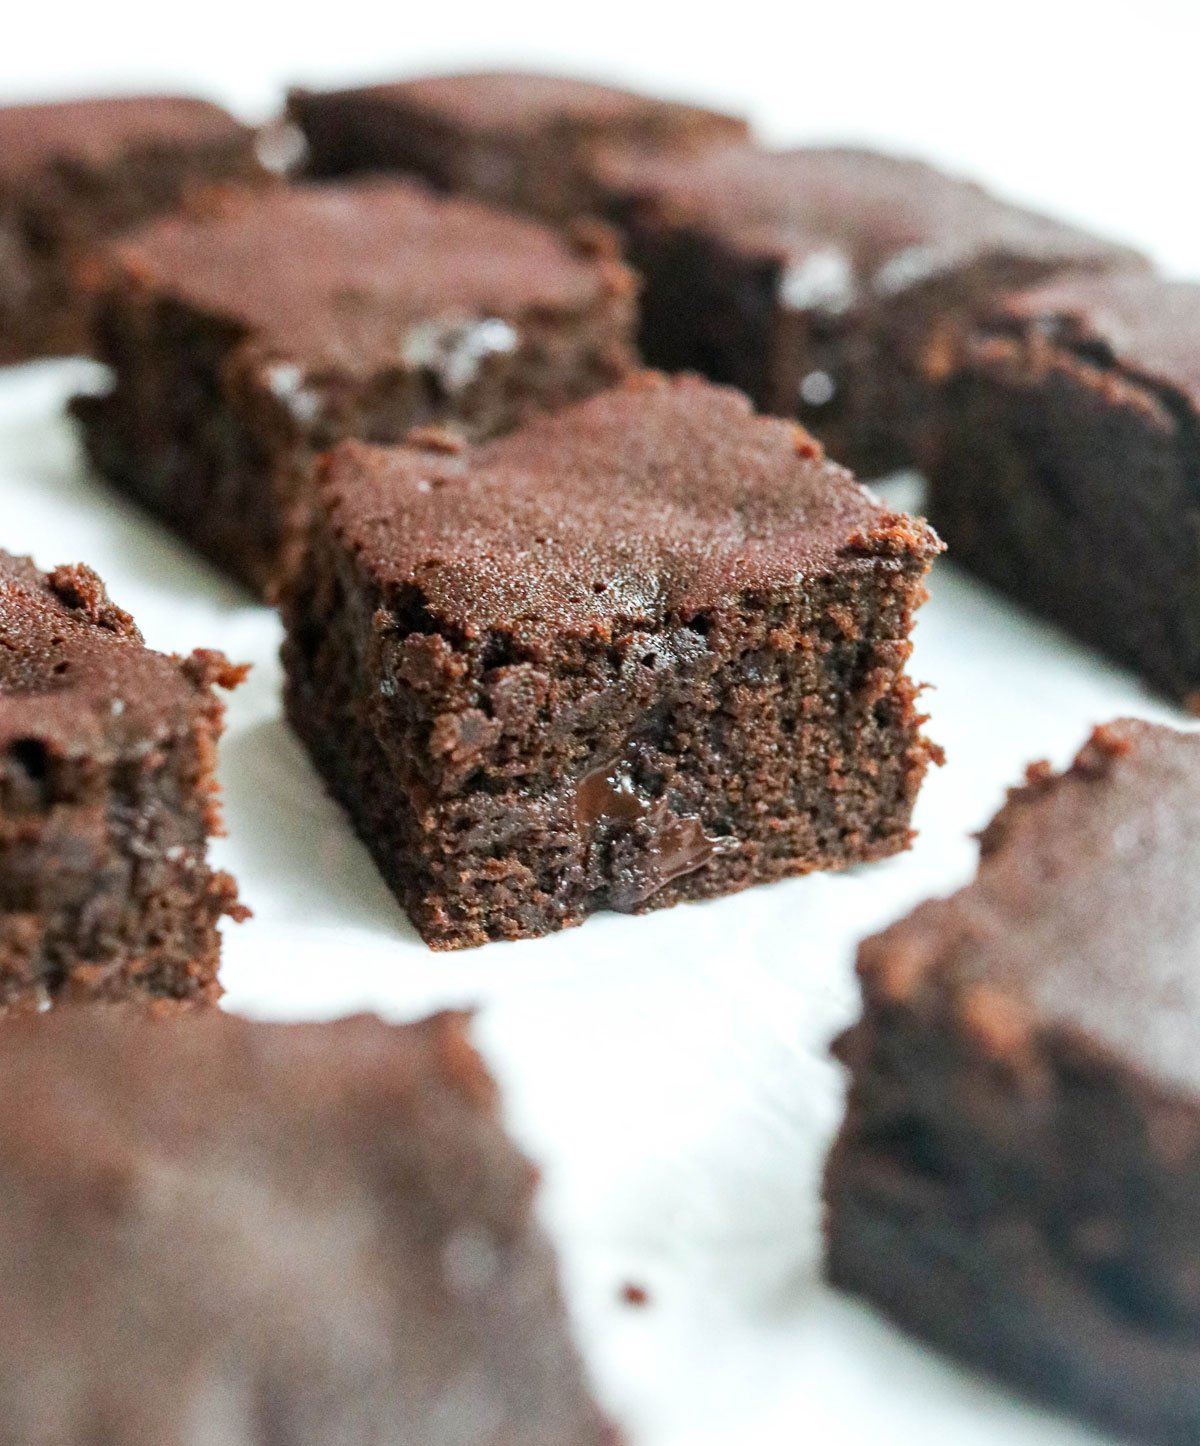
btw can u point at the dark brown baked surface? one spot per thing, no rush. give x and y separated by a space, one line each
306 1233
648 650
73 174
250 335
514 139
107 801
1066 466
811 278
1016 1179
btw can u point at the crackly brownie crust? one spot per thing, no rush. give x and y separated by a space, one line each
107 802
252 335
72 175
1066 469
522 141
812 278
224 1230
649 650
1018 1174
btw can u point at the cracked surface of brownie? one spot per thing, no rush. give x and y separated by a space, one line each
251 335
107 802
75 173
814 278
522 141
648 650
1066 469
265 1233
1017 1176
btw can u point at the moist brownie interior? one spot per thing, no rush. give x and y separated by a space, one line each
107 801
814 278
73 174
1067 467
647 650
1018 1175
250 336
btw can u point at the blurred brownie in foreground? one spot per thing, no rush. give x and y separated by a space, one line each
1018 1177
107 801
814 279
217 1230
247 338
1066 470
518 140
647 650
74 173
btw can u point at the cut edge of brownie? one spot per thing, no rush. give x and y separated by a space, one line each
107 890
483 835
1007 1185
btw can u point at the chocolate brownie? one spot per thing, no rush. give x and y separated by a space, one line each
107 801
74 173
812 278
248 338
1067 467
223 1231
518 140
1018 1176
647 650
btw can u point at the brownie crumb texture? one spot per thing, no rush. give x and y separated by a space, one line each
74 174
1017 1177
107 801
308 1233
650 649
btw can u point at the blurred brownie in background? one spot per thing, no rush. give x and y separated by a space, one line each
250 335
1018 1176
518 140
649 649
107 801
1066 467
813 279
73 174
213 1230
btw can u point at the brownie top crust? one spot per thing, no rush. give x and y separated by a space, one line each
1147 327
652 501
846 224
248 1231
100 132
1085 917
74 673
488 101
332 275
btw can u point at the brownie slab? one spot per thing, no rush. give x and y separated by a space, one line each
813 279
249 337
1018 1176
217 1230
522 141
107 802
73 174
647 650
1066 470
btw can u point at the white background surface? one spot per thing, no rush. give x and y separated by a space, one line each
670 1072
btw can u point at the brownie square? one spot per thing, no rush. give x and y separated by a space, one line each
107 801
522 141
647 650
246 339
217 1230
74 173
1018 1176
814 279
1066 465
